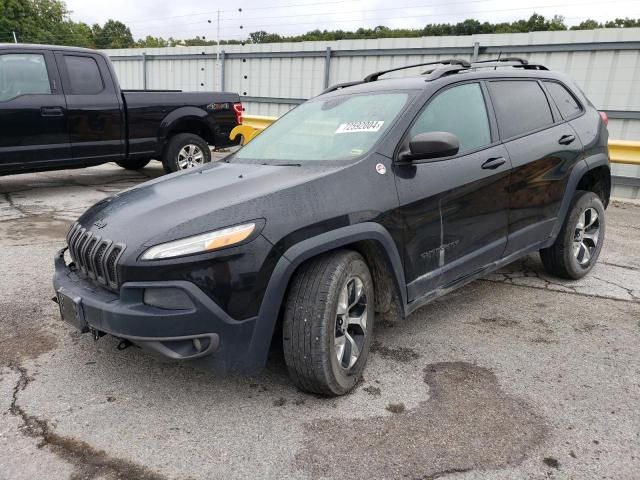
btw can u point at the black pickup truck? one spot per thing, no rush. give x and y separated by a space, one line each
63 107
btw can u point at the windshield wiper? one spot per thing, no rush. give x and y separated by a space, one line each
283 164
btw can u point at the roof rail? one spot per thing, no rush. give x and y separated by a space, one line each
504 59
446 67
515 62
338 86
450 61
443 71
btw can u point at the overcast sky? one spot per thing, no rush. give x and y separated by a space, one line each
188 18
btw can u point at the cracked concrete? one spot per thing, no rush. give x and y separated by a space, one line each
519 375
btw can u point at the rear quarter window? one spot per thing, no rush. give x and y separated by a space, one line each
84 75
521 107
564 100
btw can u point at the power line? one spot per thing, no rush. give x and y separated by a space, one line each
262 25
430 15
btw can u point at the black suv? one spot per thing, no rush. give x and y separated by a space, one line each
373 198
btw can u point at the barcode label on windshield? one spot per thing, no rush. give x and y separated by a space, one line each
353 127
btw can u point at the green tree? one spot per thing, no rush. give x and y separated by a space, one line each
114 34
152 42
41 21
588 24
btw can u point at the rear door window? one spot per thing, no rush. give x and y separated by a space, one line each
23 74
84 75
521 107
565 101
459 110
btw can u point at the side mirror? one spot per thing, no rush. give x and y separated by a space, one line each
425 146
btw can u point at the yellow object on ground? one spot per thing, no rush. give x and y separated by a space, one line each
620 151
624 151
251 126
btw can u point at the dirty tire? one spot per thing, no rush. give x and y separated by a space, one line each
311 322
176 144
560 258
133 164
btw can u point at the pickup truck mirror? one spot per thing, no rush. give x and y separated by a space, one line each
431 145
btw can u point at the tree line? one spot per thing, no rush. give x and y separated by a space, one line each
49 22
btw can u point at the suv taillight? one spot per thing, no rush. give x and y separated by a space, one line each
237 108
605 117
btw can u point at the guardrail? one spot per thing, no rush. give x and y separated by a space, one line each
621 151
624 151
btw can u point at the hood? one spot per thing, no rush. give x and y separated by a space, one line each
192 202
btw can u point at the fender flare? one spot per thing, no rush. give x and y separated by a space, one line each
178 115
579 170
299 253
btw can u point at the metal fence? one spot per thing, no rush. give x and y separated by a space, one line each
273 78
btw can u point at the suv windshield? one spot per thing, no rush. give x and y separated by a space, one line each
336 128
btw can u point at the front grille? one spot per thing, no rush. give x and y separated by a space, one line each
95 257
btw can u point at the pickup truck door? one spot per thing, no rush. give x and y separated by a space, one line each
33 125
94 108
454 209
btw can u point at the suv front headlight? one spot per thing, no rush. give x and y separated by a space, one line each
203 242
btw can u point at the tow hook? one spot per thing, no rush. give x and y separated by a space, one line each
96 334
124 344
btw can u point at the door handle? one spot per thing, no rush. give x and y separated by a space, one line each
51 111
493 163
566 139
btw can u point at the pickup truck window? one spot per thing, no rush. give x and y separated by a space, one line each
84 75
335 128
23 74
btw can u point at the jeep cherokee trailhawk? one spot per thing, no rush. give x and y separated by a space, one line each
374 197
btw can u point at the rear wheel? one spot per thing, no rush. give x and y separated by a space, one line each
328 323
184 151
580 240
133 164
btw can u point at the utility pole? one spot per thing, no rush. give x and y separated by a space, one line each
15 39
218 69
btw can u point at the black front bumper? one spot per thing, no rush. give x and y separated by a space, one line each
221 342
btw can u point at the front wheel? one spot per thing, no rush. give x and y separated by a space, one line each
184 151
328 323
580 240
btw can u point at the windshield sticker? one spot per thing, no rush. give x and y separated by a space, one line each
353 127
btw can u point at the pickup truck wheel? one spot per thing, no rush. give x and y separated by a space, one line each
133 164
184 151
328 323
580 240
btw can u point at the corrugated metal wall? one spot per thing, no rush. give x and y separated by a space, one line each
273 78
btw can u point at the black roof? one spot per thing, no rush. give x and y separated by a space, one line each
35 46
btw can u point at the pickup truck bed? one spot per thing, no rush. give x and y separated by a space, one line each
63 107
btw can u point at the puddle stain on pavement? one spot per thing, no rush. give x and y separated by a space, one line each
36 228
467 423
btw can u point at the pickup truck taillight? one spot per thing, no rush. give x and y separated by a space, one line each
237 108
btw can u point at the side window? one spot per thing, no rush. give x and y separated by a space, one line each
84 75
459 110
23 74
521 107
565 101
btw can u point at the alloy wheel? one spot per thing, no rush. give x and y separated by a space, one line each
586 235
190 156
351 322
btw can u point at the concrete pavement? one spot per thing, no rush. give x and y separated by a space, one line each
519 375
